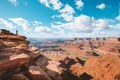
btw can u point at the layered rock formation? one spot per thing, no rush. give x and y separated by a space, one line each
16 57
103 68
11 39
101 62
38 74
111 45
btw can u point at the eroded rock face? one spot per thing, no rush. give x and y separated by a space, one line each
105 67
15 56
13 39
111 45
102 68
76 69
38 74
13 62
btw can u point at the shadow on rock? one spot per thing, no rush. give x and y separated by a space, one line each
67 75
67 62
80 61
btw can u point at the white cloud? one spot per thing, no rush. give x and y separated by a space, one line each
36 23
67 13
101 6
85 24
104 34
6 24
81 23
55 16
31 26
67 9
43 29
45 2
14 2
118 18
67 17
79 4
22 23
58 27
101 24
80 26
116 26
54 4
58 22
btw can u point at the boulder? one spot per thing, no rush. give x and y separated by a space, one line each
37 73
13 62
33 52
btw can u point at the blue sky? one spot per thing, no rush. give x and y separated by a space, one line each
61 18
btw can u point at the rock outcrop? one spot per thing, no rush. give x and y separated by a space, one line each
5 32
13 62
11 39
38 74
16 57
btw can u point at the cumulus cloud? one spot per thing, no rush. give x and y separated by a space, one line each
67 9
101 6
14 2
54 4
67 13
36 23
6 24
22 23
101 24
81 23
84 24
116 26
79 4
31 26
43 29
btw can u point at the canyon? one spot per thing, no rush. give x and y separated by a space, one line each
76 59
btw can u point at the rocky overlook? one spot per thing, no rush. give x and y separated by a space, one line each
17 58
